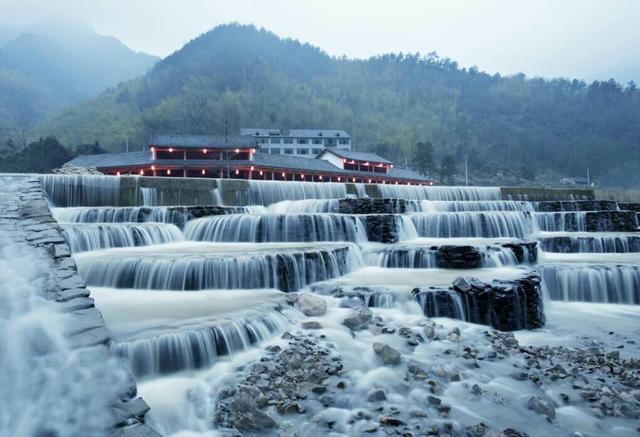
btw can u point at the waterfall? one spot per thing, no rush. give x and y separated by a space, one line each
592 283
561 221
441 303
269 192
473 224
149 196
82 190
307 206
481 205
49 386
168 270
597 243
440 193
135 214
277 227
361 191
194 348
84 237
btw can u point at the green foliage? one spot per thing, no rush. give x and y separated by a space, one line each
38 157
448 168
237 76
423 158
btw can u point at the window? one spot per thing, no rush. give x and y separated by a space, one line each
330 143
302 141
275 141
275 151
344 142
288 140
263 140
317 141
303 151
288 151
316 151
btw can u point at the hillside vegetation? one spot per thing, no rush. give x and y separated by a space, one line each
238 75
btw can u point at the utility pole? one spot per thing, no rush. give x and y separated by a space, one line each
466 171
588 178
126 143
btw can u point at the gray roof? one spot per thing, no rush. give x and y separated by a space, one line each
358 156
105 160
259 132
405 173
284 162
197 141
291 162
319 133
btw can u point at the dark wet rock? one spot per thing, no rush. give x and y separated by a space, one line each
387 354
541 406
376 395
312 324
505 305
372 205
358 319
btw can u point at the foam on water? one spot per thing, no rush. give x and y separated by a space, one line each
86 237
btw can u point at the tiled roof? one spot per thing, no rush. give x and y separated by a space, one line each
197 141
318 133
262 132
284 162
358 156
105 160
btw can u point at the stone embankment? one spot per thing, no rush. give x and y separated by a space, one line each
35 226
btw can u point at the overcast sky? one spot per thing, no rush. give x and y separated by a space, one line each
587 39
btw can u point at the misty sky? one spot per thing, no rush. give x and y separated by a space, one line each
587 39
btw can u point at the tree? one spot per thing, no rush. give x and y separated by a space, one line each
447 168
41 156
89 149
423 157
528 171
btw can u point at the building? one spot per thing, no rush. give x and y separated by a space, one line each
303 142
240 158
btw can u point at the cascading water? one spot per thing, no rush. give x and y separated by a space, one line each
269 192
479 205
172 270
592 283
86 237
473 224
593 243
82 190
149 196
561 221
277 227
49 385
440 193
188 316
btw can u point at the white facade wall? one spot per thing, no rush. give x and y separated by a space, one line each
291 145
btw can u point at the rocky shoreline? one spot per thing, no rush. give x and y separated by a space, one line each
308 386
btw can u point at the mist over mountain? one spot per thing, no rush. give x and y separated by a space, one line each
47 67
238 75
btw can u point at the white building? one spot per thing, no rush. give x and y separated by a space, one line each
302 142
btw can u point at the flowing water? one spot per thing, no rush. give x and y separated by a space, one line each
190 305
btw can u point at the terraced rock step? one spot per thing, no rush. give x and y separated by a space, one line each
507 305
581 243
576 205
588 221
458 257
178 215
374 206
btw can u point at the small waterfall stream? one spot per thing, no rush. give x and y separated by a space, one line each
193 301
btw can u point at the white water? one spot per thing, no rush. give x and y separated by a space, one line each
277 227
189 315
47 386
87 237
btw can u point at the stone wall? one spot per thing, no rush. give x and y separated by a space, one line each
618 195
545 194
68 290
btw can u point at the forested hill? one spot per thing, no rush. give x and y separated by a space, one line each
238 76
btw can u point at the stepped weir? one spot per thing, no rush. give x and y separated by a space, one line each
203 287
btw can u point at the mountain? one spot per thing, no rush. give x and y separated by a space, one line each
59 64
507 127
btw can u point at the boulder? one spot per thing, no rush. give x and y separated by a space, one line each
358 319
312 305
387 354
